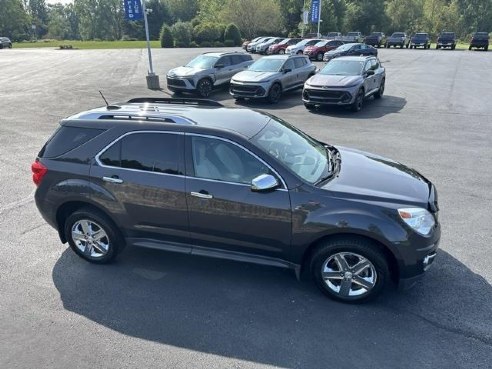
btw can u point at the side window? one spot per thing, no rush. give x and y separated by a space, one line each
374 64
225 61
152 152
299 62
223 161
367 66
289 64
67 138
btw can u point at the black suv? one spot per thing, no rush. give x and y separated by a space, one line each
194 177
480 40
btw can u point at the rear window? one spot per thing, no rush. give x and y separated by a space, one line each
66 139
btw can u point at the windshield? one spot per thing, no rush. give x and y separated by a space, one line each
421 35
294 149
203 62
341 67
321 43
267 65
447 34
353 34
344 47
482 35
376 34
398 34
302 43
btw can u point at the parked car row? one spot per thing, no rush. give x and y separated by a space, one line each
352 74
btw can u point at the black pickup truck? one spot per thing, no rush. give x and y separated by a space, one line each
446 39
480 40
376 39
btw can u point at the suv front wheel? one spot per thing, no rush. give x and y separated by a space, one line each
349 270
204 87
92 236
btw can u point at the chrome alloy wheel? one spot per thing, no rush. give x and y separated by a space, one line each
348 274
90 238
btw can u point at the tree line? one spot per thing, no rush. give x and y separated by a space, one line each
206 20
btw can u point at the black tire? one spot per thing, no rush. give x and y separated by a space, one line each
238 98
114 240
469 47
338 258
453 47
380 91
274 93
319 57
437 47
299 52
309 106
406 46
204 87
486 48
359 101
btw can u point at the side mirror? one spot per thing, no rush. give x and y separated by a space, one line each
264 182
370 72
218 66
287 70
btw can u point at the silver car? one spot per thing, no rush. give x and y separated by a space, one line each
251 48
270 76
263 47
206 71
345 81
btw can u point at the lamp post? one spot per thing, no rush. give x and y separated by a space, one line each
152 78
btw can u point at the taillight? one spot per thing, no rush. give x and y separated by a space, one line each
38 172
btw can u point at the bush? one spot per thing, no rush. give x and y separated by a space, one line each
195 22
206 32
182 33
218 44
166 37
205 44
193 44
229 43
221 29
128 38
232 33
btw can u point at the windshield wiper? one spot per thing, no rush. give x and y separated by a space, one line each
334 160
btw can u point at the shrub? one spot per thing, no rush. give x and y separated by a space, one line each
229 43
166 37
221 29
195 22
206 32
205 44
193 44
232 33
218 44
182 33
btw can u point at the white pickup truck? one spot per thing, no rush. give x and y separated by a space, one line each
353 37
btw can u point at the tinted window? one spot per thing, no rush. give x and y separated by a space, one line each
289 64
224 161
67 138
237 59
153 152
225 61
299 62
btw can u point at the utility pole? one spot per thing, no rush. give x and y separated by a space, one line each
319 16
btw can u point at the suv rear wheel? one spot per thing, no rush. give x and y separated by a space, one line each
204 87
349 270
92 236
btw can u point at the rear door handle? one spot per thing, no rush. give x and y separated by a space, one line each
201 195
112 180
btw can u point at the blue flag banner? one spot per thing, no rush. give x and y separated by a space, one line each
314 11
133 10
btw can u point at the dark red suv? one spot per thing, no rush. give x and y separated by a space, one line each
281 46
317 51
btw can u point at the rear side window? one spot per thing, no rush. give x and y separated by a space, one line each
299 62
67 138
151 152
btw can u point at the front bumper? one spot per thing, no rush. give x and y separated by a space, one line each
329 96
249 90
445 44
180 84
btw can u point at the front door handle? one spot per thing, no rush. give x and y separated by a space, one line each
112 180
201 195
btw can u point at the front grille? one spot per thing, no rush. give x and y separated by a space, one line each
247 90
176 82
326 96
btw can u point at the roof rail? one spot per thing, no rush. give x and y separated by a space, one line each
184 101
136 117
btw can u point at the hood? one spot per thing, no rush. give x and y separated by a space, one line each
332 80
182 72
250 76
366 174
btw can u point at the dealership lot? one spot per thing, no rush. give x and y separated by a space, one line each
153 309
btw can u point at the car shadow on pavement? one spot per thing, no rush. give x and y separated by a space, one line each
263 315
373 108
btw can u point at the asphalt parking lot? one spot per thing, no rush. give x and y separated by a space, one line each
160 310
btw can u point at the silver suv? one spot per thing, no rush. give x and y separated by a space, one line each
270 76
206 71
345 81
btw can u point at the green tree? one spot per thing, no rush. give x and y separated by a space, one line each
182 33
58 23
206 32
160 14
101 19
232 33
166 37
184 10
405 15
291 11
365 16
14 20
39 16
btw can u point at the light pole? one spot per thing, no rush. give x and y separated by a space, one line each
319 16
152 78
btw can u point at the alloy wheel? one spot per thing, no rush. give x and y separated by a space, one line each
204 87
90 238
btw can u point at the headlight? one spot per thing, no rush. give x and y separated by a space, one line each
418 219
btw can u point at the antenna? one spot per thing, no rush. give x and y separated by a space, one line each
106 101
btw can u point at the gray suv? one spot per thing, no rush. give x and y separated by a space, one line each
270 76
193 177
345 81
207 71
